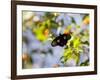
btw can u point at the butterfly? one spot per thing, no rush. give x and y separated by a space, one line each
61 40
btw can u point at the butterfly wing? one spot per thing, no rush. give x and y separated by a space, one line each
55 41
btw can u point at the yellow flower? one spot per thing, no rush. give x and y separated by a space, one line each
86 20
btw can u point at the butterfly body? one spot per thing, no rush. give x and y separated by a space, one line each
61 40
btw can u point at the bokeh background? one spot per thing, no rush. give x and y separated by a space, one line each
39 30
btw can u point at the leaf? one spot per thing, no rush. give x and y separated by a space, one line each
76 43
85 63
73 21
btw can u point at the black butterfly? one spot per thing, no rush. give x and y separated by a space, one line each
61 40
